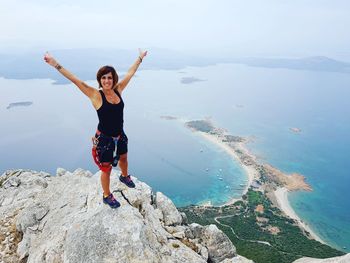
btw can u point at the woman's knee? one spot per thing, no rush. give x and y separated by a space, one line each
106 169
123 158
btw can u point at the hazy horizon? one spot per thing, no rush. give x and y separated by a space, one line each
269 28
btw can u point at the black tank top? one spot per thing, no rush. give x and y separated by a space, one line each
110 116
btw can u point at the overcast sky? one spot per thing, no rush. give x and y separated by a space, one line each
245 27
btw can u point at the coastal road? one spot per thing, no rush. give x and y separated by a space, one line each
253 241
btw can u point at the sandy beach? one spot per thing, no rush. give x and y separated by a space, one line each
281 195
276 183
292 182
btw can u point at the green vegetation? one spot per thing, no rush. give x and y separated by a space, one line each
247 227
201 125
263 174
231 138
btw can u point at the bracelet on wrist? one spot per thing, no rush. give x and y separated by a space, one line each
140 59
58 66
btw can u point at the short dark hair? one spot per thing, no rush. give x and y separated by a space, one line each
105 70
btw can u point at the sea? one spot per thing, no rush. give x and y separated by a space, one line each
263 104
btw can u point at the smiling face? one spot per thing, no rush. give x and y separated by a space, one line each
107 81
107 77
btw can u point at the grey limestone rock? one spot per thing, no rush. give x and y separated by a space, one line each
218 244
170 214
11 182
195 230
341 259
188 233
184 218
179 235
81 172
31 216
203 251
237 259
138 196
30 180
63 219
60 171
44 174
175 229
120 235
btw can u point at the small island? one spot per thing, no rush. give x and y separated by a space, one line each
261 224
295 130
18 104
168 117
189 80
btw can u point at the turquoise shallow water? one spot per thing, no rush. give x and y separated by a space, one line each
174 160
255 102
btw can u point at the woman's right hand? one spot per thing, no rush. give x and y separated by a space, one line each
49 59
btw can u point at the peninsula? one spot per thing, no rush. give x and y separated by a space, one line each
261 224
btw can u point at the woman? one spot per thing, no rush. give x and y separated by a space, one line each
110 141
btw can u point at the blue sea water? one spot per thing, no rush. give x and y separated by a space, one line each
259 103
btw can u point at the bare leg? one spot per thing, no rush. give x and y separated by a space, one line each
123 164
105 181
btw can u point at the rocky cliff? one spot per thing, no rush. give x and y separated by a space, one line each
62 219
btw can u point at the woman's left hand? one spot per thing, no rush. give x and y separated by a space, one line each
142 53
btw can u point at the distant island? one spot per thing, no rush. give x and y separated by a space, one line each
262 224
295 130
19 104
316 63
162 59
188 80
168 117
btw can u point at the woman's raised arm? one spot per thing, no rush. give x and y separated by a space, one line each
86 89
132 70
